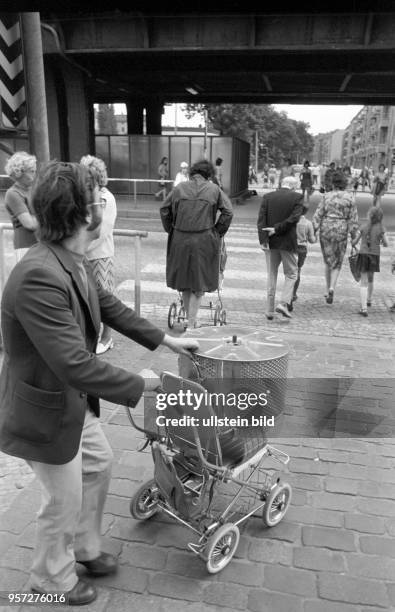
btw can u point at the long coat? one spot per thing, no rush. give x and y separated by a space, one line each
51 374
189 215
282 210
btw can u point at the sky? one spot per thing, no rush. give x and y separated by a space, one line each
321 117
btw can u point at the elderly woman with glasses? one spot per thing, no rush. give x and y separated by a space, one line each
101 251
21 168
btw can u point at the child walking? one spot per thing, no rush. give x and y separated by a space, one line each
371 235
304 235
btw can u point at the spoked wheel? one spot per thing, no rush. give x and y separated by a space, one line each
221 547
171 317
144 502
277 504
182 315
217 315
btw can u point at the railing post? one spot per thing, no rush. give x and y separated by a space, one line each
137 270
135 191
2 260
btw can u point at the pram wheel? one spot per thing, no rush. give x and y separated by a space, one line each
144 502
171 317
277 504
221 547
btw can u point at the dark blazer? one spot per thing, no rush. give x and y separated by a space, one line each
280 209
50 372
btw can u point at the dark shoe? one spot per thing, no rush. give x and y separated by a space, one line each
392 308
329 297
83 593
290 307
103 565
368 303
364 313
269 317
283 310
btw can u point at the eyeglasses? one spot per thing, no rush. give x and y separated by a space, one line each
102 203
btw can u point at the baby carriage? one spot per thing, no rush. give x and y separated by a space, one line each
177 312
208 477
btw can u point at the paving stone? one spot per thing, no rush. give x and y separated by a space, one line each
290 580
139 555
318 559
288 532
375 545
230 595
352 590
364 523
383 507
326 537
270 551
262 600
333 501
316 516
320 605
242 572
177 587
127 578
371 566
342 485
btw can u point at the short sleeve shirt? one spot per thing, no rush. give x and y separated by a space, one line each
17 202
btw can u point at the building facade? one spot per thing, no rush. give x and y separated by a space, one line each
369 140
328 147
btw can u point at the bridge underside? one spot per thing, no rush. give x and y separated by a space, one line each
255 58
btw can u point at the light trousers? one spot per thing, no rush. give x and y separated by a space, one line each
69 520
289 260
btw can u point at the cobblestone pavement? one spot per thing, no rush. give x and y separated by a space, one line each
335 549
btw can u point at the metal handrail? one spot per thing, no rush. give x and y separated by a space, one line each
137 235
135 181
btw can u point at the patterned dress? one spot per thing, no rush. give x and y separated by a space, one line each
335 217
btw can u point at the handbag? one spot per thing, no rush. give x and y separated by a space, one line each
353 260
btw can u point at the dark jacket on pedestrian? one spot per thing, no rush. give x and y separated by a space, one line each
281 210
51 374
196 214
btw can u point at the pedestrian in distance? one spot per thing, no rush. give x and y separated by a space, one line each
304 235
364 178
278 215
335 218
272 175
100 252
379 185
21 168
217 178
52 380
163 174
328 179
306 181
196 215
286 170
182 175
371 235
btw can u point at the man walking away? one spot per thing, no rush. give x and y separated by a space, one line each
278 215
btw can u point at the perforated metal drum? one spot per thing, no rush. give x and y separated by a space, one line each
242 361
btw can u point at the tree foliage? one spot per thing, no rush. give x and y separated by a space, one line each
106 121
279 137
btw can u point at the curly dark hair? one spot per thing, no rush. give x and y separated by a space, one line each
204 167
61 197
339 181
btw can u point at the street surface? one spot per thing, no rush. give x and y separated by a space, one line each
335 549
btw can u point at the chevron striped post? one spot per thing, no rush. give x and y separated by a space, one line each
12 82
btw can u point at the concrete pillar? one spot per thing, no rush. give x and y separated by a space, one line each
154 117
134 110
